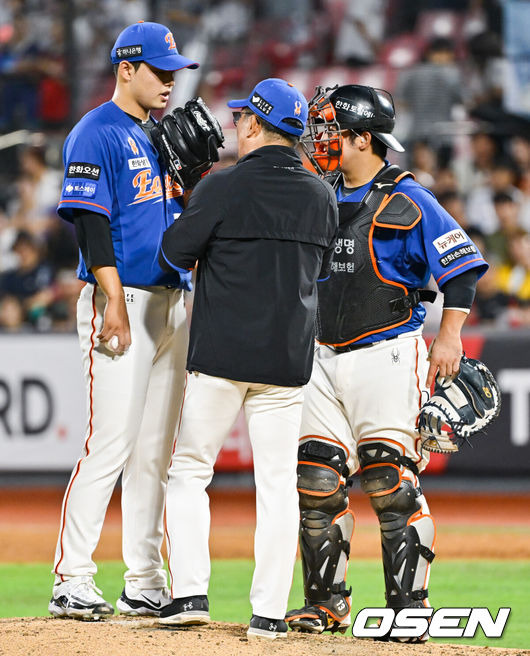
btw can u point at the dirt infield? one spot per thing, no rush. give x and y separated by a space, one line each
137 637
468 525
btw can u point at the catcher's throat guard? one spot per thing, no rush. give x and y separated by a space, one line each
322 140
461 406
188 140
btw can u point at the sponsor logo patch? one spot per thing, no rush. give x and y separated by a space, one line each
138 163
448 259
83 170
447 242
129 51
80 189
261 104
358 110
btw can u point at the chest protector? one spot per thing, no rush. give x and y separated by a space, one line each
357 300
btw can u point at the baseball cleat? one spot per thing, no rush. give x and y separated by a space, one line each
135 601
317 619
186 611
79 598
264 627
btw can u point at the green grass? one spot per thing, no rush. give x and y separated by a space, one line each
26 589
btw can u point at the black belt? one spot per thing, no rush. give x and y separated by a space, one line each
354 347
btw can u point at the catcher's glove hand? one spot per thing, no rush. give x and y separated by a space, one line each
461 406
188 140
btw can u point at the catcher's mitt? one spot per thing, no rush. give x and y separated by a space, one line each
188 140
461 406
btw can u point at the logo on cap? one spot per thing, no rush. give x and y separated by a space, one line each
171 41
129 51
297 108
261 104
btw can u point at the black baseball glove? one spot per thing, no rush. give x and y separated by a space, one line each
188 140
461 406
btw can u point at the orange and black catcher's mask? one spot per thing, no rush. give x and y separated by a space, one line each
334 110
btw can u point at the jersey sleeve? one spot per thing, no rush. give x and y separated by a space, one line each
448 248
185 241
87 175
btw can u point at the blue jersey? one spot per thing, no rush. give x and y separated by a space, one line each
436 245
112 168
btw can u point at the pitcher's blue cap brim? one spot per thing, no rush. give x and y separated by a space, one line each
171 62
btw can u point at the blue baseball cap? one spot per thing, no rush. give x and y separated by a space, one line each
275 100
152 43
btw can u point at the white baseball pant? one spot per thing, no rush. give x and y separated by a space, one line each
369 394
273 415
133 401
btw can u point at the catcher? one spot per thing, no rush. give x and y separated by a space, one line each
371 372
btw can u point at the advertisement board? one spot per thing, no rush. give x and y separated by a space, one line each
43 409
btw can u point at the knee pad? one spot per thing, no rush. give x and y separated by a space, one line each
326 524
322 473
407 528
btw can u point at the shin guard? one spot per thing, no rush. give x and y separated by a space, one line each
326 528
407 528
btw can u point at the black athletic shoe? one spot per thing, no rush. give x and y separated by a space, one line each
264 627
186 611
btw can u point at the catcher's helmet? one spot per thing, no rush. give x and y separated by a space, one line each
364 108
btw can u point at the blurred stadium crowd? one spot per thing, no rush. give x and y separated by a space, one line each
445 61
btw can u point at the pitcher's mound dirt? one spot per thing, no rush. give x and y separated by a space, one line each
141 637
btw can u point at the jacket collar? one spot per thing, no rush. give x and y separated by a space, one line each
273 152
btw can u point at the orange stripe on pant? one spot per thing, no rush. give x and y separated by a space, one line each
90 431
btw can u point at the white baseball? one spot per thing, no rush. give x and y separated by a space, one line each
113 343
